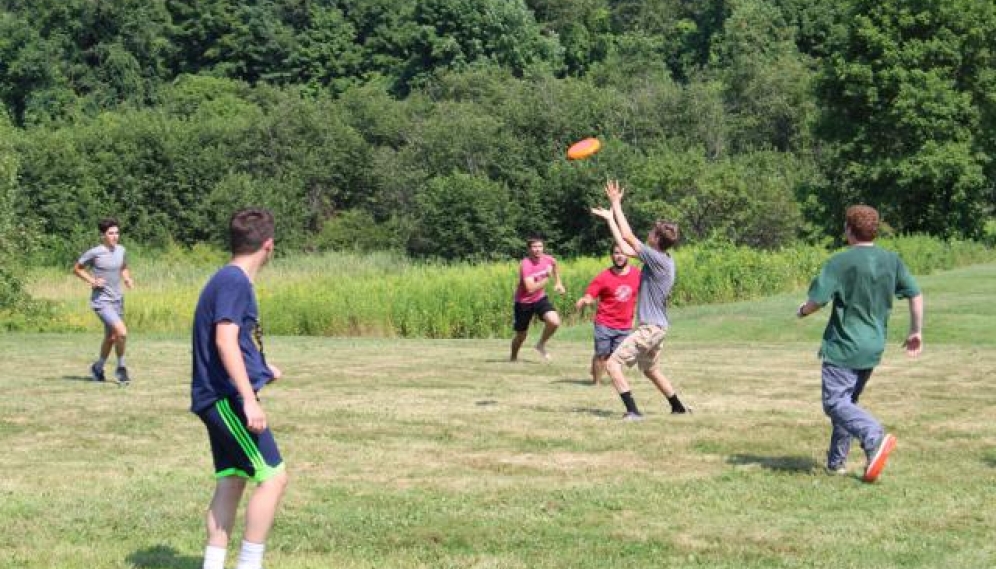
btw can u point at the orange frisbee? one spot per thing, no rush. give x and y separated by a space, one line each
583 149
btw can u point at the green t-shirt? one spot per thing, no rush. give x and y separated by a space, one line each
861 282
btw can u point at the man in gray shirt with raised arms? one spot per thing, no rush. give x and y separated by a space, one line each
644 345
108 268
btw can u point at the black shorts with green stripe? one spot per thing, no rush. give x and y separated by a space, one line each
236 451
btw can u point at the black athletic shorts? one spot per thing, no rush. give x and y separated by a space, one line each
524 312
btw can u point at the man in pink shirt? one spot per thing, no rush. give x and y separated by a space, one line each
535 271
615 290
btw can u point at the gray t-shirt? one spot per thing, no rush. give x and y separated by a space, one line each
656 281
107 265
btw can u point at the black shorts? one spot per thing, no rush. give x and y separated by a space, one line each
524 312
236 451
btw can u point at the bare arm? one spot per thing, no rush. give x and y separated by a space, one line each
557 284
126 277
615 193
81 272
227 341
586 300
616 235
533 284
914 340
807 308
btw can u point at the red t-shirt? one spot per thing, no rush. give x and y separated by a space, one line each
539 270
616 295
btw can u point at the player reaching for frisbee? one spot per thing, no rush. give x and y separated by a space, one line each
229 370
643 346
535 272
614 289
860 282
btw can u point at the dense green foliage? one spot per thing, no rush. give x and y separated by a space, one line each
909 107
387 295
438 127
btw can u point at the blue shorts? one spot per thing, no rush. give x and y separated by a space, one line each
608 339
110 313
236 450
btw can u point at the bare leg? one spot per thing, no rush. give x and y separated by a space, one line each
517 341
107 344
221 513
552 322
119 337
262 508
615 371
597 368
660 380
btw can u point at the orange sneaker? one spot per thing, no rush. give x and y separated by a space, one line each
877 462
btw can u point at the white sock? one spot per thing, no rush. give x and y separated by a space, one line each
214 557
100 363
251 556
121 362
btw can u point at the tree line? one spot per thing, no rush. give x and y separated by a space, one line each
438 127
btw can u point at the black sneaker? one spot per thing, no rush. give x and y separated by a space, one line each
122 375
97 373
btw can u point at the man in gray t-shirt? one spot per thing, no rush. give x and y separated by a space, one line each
108 268
644 345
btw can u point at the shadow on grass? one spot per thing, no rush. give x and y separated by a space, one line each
776 463
516 362
586 382
162 557
84 378
595 412
990 460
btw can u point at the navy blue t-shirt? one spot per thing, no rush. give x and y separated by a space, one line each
227 297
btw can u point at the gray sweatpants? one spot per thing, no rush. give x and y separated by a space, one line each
841 389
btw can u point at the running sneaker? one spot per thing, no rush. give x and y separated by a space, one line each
122 376
97 373
877 461
631 416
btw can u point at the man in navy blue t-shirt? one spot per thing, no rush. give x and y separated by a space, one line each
229 369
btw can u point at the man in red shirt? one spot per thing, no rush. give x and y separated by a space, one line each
535 271
615 289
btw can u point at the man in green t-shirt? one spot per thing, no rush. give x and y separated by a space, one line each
861 283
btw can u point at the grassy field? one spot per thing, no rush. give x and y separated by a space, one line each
440 454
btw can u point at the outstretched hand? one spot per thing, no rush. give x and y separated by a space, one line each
614 191
605 214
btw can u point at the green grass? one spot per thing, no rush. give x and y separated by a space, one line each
440 454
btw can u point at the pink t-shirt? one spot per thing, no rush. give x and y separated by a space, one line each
616 295
540 270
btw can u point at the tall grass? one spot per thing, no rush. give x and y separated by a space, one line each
388 295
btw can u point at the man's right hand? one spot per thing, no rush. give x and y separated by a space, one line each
255 417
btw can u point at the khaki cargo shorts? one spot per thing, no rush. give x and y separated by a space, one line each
642 347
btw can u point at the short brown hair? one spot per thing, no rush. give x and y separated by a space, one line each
248 229
667 234
863 222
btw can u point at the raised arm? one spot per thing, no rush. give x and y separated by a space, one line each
606 214
615 193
